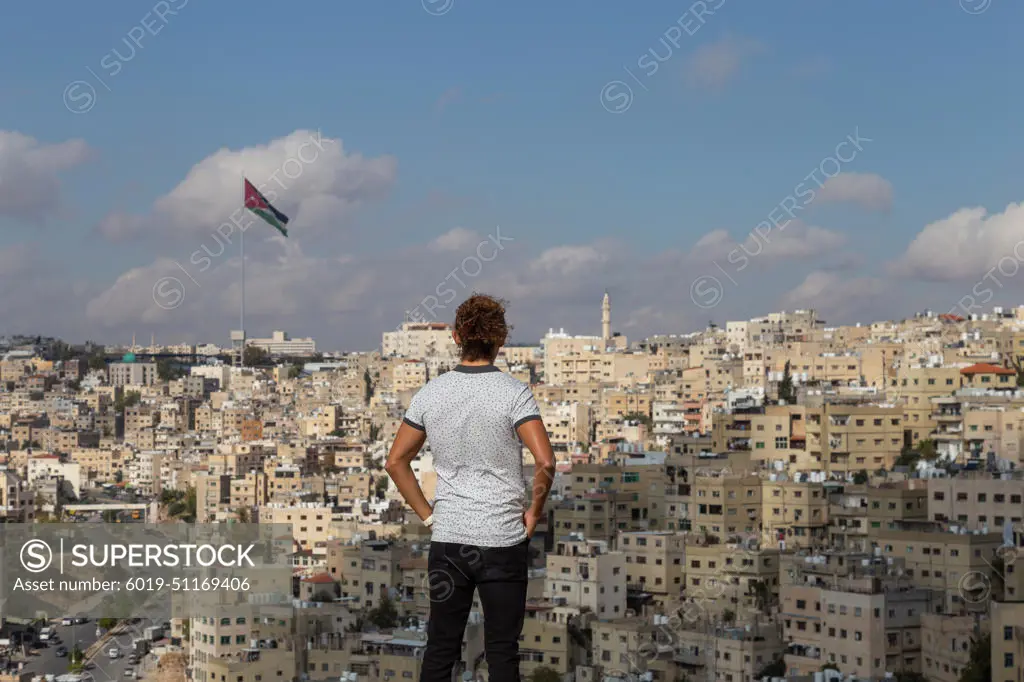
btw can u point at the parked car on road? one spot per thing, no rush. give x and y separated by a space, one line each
62 651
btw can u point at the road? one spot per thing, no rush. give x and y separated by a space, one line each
102 668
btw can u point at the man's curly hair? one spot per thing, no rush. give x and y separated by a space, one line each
481 327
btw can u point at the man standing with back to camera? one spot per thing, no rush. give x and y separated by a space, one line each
477 419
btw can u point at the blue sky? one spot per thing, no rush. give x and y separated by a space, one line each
492 113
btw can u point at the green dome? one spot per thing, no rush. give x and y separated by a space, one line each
128 357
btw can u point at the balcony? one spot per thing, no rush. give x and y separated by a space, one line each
690 658
738 444
947 415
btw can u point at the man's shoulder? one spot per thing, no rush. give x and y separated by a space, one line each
509 381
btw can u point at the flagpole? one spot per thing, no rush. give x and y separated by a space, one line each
241 249
242 314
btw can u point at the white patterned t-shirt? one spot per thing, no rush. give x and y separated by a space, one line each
470 416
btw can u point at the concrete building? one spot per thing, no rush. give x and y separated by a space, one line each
280 344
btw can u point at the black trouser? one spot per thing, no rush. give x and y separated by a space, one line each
454 572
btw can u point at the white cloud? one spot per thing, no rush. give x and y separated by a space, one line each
30 174
833 295
455 239
712 66
448 97
794 240
307 176
570 259
964 245
869 190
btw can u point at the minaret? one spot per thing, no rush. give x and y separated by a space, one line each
606 318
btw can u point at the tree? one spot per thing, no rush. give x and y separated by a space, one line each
118 476
909 676
243 514
545 674
294 371
644 419
381 487
728 616
126 400
254 356
374 432
107 623
97 362
76 659
860 478
367 386
786 393
979 666
776 668
385 615
165 371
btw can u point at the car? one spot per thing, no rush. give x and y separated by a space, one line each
62 651
67 621
81 619
129 673
114 652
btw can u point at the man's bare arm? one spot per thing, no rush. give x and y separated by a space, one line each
535 437
408 442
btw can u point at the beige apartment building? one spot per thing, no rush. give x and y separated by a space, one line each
595 516
774 433
17 499
1006 612
725 504
639 493
588 393
858 512
946 644
369 570
545 640
249 643
1007 640
419 340
851 611
794 512
409 375
735 576
585 574
619 369
654 562
958 566
847 438
916 387
310 523
724 653
100 464
977 501
619 403
567 423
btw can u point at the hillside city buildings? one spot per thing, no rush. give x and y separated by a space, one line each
770 498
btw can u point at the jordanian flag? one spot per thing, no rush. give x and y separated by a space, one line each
258 204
